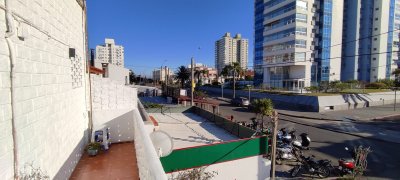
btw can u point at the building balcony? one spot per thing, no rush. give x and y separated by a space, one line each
279 63
119 162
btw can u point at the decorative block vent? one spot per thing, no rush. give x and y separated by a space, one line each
76 72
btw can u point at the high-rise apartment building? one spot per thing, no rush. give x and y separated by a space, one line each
374 24
110 58
306 42
110 53
229 50
294 32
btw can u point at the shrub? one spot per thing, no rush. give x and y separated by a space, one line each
199 95
152 105
312 88
388 82
215 83
376 85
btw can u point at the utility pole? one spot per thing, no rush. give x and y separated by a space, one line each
273 152
234 84
192 84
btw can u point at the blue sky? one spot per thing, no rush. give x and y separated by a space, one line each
153 31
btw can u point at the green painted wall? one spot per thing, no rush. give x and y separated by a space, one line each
216 153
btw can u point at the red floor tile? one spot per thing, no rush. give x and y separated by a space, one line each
119 162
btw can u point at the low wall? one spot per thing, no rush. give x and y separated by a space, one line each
172 109
230 160
221 152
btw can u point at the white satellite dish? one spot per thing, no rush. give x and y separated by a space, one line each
162 142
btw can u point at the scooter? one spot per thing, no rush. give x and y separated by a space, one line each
347 166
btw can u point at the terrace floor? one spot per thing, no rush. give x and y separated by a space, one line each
119 162
188 129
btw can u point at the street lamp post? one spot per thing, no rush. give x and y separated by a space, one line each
192 82
222 87
249 86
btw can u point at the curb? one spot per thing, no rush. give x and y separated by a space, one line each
383 117
339 131
306 117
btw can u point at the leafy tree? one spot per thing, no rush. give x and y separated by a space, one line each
182 74
396 72
249 78
132 77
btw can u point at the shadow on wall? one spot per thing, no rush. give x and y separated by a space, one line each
69 165
120 122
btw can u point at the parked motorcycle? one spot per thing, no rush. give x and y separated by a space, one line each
347 166
282 136
311 166
291 150
287 152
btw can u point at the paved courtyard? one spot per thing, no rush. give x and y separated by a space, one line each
188 129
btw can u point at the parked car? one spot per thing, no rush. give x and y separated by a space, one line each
240 101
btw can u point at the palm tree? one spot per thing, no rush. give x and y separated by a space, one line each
182 74
263 107
237 72
197 74
204 72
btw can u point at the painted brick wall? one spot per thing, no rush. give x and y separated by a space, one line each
6 153
113 106
51 114
108 94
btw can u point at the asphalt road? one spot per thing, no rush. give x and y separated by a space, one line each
383 162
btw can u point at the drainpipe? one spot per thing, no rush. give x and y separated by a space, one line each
9 34
90 77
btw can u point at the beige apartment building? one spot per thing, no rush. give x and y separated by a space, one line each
229 50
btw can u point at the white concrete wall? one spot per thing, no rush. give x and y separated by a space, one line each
113 105
50 110
255 167
115 73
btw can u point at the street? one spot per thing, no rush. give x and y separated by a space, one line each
383 162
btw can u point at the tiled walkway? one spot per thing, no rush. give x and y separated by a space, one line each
119 162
